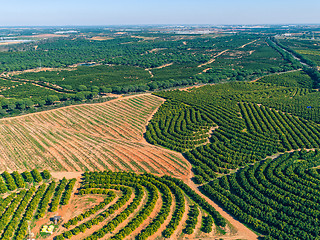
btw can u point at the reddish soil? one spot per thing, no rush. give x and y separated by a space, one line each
100 38
94 228
88 137
242 231
67 175
43 69
131 217
153 214
178 232
158 234
10 43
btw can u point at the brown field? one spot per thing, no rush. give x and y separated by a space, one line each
47 35
145 38
43 69
100 38
10 43
88 137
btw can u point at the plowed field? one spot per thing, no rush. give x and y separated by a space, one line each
87 137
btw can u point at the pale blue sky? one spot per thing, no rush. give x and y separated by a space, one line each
123 12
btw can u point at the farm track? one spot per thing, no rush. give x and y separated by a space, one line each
243 231
249 43
213 59
103 136
277 73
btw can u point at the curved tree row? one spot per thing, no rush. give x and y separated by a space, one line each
73 221
279 198
178 127
30 200
242 130
146 186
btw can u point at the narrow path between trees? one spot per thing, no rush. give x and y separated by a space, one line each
277 73
243 231
249 43
213 59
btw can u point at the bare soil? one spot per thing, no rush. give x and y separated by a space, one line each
100 38
213 59
248 43
43 69
88 137
242 231
205 70
11 42
163 66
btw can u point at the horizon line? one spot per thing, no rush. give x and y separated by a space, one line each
168 24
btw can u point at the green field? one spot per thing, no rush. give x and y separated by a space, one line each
246 132
227 129
278 198
129 64
308 48
102 75
292 79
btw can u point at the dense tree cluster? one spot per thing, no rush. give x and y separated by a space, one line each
292 79
11 185
295 53
3 187
28 214
14 210
286 55
177 126
125 65
119 51
36 175
278 198
46 174
310 67
242 131
207 224
27 176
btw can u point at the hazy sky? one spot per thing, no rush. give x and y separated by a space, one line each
123 12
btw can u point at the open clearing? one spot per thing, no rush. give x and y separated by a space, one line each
107 136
